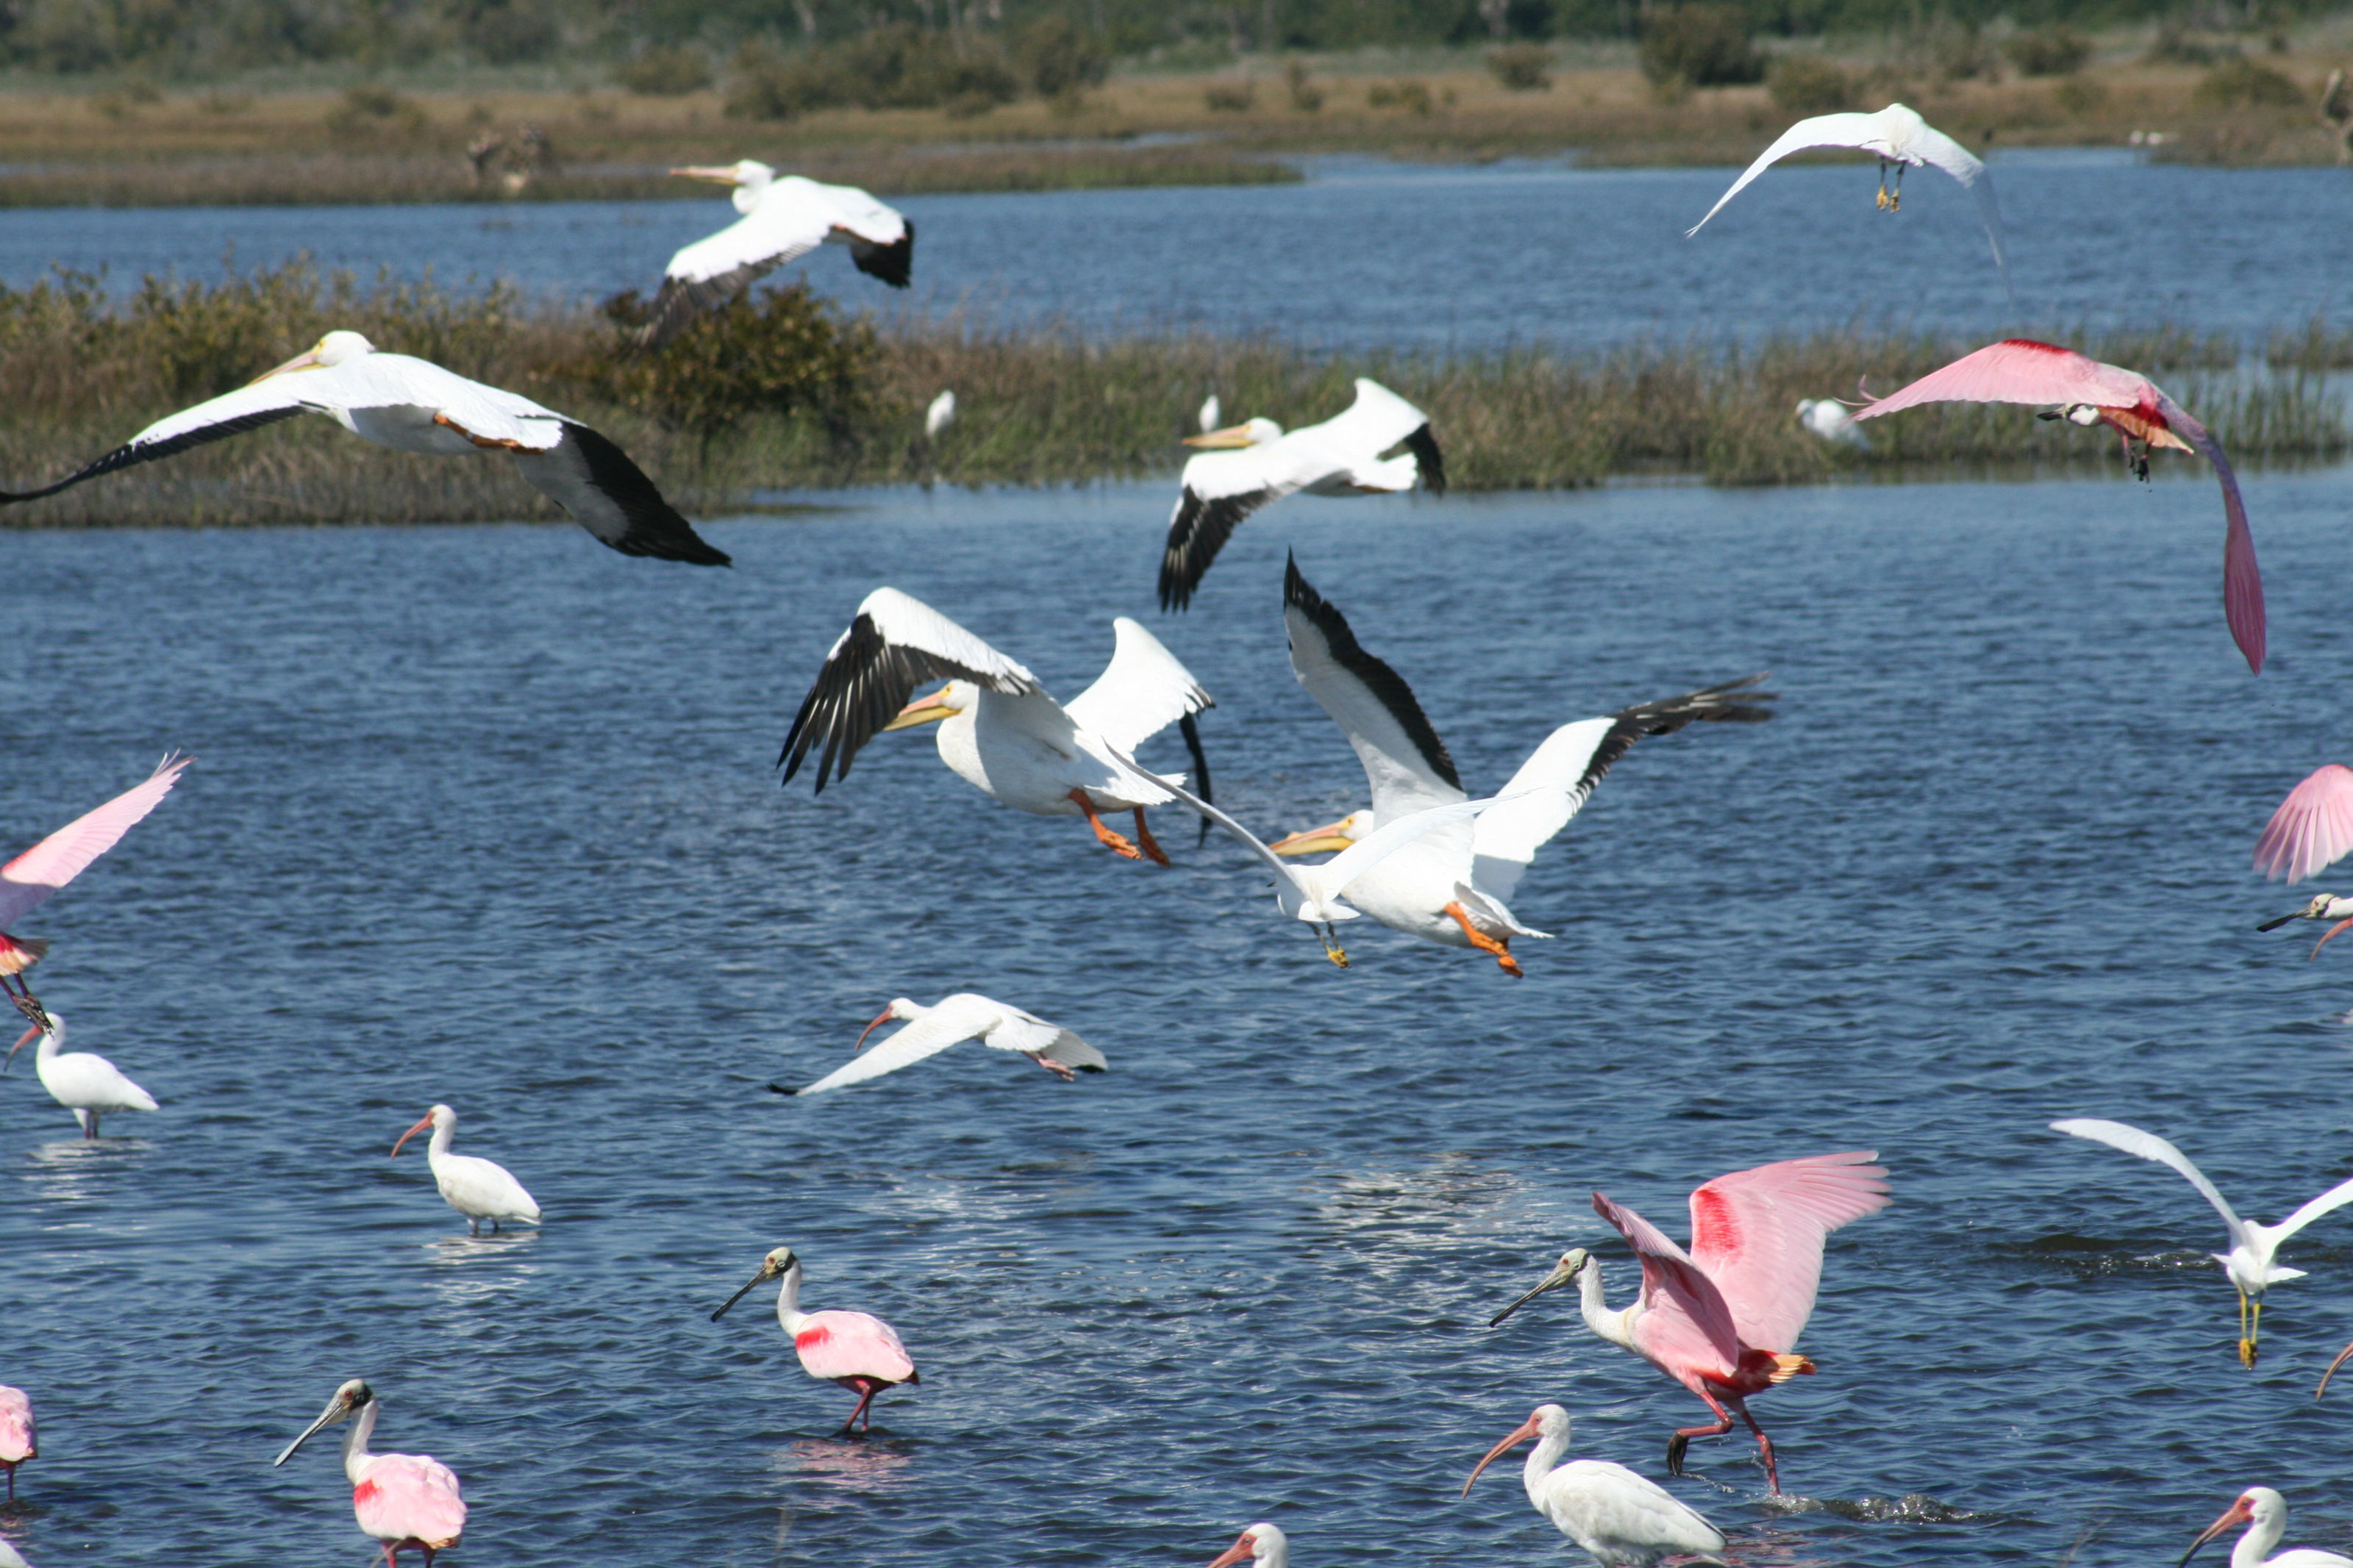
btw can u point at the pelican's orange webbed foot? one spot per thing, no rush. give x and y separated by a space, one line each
1112 841
1154 853
1501 948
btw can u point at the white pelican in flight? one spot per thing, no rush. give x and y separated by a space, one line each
414 406
999 730
784 219
952 1021
1252 464
1451 888
1902 141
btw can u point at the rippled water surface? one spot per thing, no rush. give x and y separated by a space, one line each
487 815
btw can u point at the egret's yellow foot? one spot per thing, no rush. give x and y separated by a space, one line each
1331 949
1500 947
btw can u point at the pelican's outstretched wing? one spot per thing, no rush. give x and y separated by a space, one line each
795 216
1850 129
2313 828
1141 692
1561 774
30 879
1406 764
1758 1234
611 497
2150 1146
1378 420
894 643
231 414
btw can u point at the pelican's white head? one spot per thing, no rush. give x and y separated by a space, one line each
1262 1543
948 702
338 347
437 1118
350 1399
750 177
2263 1511
1255 433
900 1009
56 1026
1328 839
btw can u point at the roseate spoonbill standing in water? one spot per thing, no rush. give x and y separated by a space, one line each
2019 370
1261 1543
477 1188
1623 1519
2264 1514
19 1438
1720 1318
2248 1264
955 1019
33 878
401 1499
82 1081
856 1349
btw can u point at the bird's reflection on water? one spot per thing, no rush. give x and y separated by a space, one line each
72 1169
454 1253
867 1466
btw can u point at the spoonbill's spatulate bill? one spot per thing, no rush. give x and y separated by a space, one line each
1723 1318
1902 140
1622 1519
19 1436
2311 831
414 406
32 878
1000 732
2248 1264
1450 886
477 1188
2086 392
785 218
1250 465
84 1083
953 1020
2264 1514
1262 1544
401 1499
856 1349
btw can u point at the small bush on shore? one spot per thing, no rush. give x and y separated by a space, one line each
1703 45
1522 68
665 73
2243 84
2056 51
1808 84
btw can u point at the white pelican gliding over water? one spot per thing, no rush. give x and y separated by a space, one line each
954 1020
784 219
1341 457
1000 732
414 406
1451 886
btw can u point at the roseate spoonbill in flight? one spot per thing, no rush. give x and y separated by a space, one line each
1622 1519
1000 733
1449 887
411 405
82 1081
2323 906
477 1188
784 219
856 1349
2264 1514
940 415
1720 1318
2248 1265
401 1499
2311 831
1261 1543
951 1021
2019 370
19 1436
32 878
1247 465
1901 140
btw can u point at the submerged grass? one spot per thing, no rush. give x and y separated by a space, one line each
840 403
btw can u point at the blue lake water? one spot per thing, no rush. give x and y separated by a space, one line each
1434 257
486 814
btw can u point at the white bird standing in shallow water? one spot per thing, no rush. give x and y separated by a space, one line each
784 219
1624 1520
951 1021
401 1499
2264 1514
83 1082
477 1188
2248 1264
19 1435
411 405
1261 1543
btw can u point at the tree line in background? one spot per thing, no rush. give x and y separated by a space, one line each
923 53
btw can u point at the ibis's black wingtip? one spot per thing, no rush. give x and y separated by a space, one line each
780 1088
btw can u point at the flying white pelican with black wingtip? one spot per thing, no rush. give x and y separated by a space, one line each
950 1022
1252 464
785 218
414 406
1451 886
999 730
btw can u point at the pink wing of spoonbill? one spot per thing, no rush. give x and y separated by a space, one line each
2019 370
1758 1234
836 1344
2313 828
19 1438
1686 1326
410 1497
33 878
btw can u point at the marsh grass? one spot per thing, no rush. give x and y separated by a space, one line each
843 404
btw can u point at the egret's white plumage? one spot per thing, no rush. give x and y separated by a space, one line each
2248 1264
414 406
1832 421
953 1020
83 1082
785 218
478 1188
1252 463
1622 1519
941 414
2264 1514
1210 418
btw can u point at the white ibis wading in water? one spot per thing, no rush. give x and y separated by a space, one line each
82 1081
401 1499
856 1349
1623 1519
2264 1514
479 1189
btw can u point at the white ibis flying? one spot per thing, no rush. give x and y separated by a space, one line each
951 1021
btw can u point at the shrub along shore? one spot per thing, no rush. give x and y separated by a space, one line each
782 392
